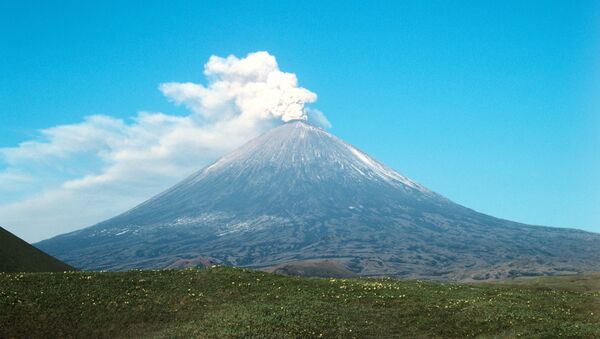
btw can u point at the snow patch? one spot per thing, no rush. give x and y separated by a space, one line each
254 224
382 171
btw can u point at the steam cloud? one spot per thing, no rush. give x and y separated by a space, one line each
251 88
48 184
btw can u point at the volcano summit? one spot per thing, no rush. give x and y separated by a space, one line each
299 194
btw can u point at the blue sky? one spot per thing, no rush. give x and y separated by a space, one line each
495 105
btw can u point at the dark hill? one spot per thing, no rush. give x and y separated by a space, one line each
17 255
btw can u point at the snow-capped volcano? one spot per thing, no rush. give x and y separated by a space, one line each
298 193
295 168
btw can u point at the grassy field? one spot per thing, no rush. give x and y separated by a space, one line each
230 302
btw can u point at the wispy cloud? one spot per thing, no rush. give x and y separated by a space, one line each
78 174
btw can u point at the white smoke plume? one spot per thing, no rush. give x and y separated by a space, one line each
251 88
75 175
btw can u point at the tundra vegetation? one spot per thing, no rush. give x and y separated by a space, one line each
233 302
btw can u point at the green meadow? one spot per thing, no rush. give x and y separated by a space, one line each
224 302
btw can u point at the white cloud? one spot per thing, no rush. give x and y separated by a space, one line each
252 88
94 169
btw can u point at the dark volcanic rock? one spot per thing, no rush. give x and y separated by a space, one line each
298 193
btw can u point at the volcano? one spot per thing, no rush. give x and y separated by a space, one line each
297 194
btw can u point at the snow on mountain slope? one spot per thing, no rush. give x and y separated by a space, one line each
300 145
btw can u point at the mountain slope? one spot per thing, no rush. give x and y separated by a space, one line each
18 256
299 193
